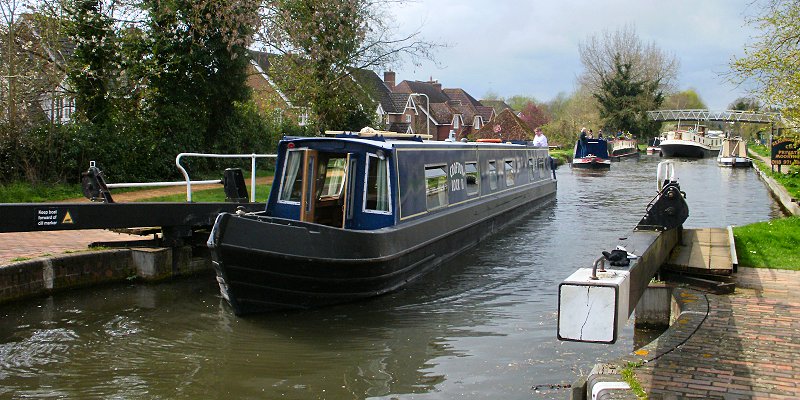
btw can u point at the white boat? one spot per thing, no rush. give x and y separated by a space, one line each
654 147
694 142
734 153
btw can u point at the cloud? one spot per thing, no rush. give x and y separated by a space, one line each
531 47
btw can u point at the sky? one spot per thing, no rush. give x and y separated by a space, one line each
530 47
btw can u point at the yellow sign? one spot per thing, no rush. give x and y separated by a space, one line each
67 219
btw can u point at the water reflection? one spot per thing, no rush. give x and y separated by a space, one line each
483 326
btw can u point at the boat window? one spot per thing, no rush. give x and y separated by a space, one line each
509 172
492 173
531 168
376 195
542 167
436 187
334 178
473 178
292 182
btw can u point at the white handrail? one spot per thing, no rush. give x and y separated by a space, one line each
665 170
252 158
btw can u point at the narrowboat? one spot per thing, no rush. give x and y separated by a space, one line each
734 153
619 148
591 154
690 143
358 215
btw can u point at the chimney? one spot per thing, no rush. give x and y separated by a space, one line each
389 79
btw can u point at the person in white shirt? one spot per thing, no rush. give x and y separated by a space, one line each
540 140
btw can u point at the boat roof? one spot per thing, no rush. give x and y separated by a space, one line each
391 142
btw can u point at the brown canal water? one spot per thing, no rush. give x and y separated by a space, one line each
482 327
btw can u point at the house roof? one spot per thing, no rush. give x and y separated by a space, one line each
442 113
511 127
392 103
435 94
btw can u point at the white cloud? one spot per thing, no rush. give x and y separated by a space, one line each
531 47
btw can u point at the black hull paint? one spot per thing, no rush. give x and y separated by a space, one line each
591 165
270 264
687 150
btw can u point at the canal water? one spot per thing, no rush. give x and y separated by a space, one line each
482 327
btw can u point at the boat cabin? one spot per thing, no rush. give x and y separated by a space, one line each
367 183
595 147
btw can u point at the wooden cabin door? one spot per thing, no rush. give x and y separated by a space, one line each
307 203
349 169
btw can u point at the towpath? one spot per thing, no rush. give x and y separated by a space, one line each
746 348
26 245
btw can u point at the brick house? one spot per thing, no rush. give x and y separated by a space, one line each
267 95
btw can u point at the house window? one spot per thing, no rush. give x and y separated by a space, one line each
408 118
455 123
292 182
492 175
509 172
436 187
376 195
472 177
531 169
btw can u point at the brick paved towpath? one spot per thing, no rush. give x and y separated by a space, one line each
748 347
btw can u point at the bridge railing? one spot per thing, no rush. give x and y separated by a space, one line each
706 115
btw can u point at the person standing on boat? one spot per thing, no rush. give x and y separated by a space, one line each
540 140
582 140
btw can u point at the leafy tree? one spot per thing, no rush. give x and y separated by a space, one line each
518 102
770 63
624 100
647 62
197 53
533 115
94 63
746 130
323 42
685 100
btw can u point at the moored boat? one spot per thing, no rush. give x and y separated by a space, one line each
352 217
654 147
591 154
734 153
691 143
619 148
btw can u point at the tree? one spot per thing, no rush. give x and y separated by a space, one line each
685 100
518 102
749 104
647 61
322 42
624 100
770 63
94 63
533 115
197 60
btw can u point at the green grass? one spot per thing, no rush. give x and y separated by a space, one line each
19 192
790 181
24 192
209 195
629 376
562 156
770 244
759 149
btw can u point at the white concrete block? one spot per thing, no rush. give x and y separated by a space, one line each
593 310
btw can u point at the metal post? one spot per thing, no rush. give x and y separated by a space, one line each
253 178
427 112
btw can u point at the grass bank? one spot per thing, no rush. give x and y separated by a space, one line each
562 156
210 195
770 244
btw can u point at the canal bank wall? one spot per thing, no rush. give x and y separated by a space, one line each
787 202
47 275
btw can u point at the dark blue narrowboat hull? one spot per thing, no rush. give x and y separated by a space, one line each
265 263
